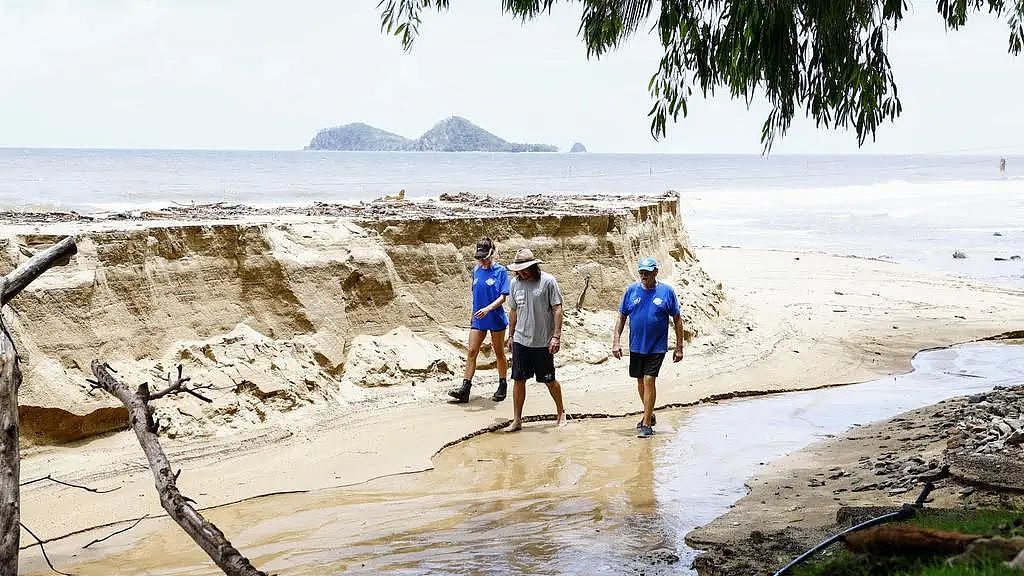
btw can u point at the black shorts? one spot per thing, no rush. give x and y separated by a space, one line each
641 365
530 362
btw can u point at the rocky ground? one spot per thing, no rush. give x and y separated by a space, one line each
970 448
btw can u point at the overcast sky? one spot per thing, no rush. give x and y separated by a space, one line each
261 74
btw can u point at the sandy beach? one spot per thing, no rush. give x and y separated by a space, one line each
331 340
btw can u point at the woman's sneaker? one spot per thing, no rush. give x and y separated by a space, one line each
654 421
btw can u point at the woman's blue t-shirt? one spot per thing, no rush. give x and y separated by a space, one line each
488 284
649 312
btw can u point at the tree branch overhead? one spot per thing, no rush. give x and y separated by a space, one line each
828 59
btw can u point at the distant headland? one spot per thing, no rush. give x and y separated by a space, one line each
453 134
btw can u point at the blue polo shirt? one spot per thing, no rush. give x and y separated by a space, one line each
648 312
488 284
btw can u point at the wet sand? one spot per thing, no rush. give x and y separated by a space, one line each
590 498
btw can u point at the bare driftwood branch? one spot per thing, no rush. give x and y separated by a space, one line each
176 384
42 548
121 531
55 255
178 507
68 484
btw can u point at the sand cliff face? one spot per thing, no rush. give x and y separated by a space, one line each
322 312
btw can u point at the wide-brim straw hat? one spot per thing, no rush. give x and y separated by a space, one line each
524 259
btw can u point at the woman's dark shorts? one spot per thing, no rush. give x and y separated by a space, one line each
530 362
641 365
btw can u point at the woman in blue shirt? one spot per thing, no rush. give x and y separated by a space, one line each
490 288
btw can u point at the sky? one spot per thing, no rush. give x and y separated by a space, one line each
266 75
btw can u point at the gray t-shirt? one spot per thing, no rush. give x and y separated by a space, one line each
532 301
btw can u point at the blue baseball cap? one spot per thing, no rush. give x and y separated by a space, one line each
649 264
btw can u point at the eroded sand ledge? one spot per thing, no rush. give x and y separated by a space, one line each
325 312
315 328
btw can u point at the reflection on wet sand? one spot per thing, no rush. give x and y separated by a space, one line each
540 502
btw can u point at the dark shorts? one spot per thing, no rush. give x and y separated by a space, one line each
645 364
530 362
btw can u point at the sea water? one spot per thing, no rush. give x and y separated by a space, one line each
912 209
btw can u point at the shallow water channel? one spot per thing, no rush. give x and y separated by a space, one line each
587 499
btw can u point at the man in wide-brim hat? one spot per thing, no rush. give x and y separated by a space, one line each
535 322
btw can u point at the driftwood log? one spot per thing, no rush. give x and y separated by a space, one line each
904 539
10 381
178 507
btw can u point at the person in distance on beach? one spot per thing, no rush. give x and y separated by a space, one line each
490 289
648 304
535 322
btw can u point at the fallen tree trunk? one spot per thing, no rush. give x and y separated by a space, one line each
10 382
903 539
203 532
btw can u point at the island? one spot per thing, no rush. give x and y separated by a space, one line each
454 134
577 148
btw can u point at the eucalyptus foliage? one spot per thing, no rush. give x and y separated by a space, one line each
827 57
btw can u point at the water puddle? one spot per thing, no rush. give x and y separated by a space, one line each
590 498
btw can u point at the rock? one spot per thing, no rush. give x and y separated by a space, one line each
662 556
933 474
959 255
1000 259
577 148
865 487
1018 562
1015 257
997 233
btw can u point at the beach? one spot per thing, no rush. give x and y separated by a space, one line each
330 340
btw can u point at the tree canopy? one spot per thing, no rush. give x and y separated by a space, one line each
827 57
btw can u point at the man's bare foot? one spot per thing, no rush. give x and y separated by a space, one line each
562 420
515 426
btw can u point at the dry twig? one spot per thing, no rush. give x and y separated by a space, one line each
111 535
70 485
42 548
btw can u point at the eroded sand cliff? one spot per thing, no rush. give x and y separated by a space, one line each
348 305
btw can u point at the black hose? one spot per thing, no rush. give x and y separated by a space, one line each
905 511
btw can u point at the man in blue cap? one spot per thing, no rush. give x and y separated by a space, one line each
648 304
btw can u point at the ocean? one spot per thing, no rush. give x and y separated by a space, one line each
912 209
